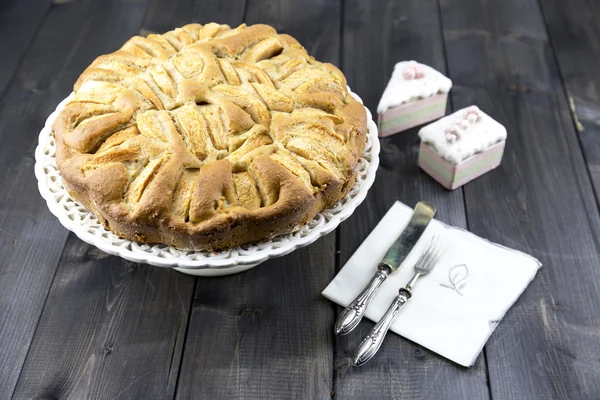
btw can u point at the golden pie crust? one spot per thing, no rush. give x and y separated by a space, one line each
208 137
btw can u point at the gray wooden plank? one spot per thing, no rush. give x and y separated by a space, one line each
267 333
262 334
19 21
376 36
110 329
540 200
112 356
31 239
314 23
574 33
163 16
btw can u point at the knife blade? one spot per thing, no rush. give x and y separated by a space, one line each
349 318
395 256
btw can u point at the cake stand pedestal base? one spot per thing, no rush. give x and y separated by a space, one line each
216 271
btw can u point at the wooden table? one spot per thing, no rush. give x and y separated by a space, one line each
77 323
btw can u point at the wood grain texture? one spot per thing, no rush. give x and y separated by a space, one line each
376 36
162 16
103 327
31 239
267 333
314 23
19 21
574 29
540 200
110 329
263 334
98 334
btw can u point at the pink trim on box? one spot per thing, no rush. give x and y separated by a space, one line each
412 114
453 176
442 171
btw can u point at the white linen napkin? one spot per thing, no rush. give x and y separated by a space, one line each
454 309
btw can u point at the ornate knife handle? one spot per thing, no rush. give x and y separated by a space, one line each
369 346
351 316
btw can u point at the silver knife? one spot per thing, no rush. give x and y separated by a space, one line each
370 344
395 256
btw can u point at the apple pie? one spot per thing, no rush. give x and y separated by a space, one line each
208 137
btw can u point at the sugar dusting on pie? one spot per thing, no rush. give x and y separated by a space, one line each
208 137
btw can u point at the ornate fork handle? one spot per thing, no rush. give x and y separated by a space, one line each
351 316
370 344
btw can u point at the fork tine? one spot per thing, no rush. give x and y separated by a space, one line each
429 257
440 249
433 256
424 257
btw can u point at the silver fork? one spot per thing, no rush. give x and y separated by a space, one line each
370 344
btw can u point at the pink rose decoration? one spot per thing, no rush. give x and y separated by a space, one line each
451 138
470 116
408 73
453 133
413 70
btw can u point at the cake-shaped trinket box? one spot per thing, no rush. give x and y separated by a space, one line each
462 146
415 94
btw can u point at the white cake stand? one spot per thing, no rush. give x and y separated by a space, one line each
86 226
